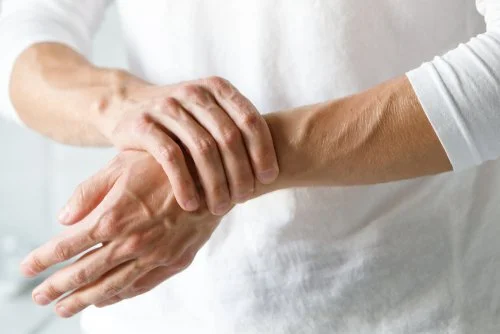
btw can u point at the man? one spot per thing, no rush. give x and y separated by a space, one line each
370 253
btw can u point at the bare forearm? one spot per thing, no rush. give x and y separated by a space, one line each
61 95
376 136
57 92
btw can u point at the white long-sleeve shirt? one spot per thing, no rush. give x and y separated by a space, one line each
413 256
460 93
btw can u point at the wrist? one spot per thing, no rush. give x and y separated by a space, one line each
113 89
291 149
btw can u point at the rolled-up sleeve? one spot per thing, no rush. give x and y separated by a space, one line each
27 22
460 94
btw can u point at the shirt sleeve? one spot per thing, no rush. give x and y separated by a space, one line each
460 94
26 22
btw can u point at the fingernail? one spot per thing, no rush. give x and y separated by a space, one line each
41 299
221 209
63 312
268 176
192 204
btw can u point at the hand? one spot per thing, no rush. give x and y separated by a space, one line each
228 140
144 238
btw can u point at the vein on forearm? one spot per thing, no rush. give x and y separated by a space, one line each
376 136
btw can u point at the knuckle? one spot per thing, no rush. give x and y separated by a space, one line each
170 153
222 87
110 290
192 92
168 101
117 78
251 121
62 251
143 124
108 225
230 137
241 102
101 105
155 235
184 262
134 243
166 258
80 277
218 82
170 107
205 145
51 291
140 268
36 264
156 257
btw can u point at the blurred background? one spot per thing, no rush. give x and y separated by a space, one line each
36 178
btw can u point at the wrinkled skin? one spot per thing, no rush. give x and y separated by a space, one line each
146 237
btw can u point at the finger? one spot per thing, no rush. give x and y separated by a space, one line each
205 110
91 231
168 154
153 278
256 133
142 285
159 275
106 287
94 264
109 302
86 197
44 293
203 150
115 215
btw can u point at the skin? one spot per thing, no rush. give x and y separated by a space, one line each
376 136
58 93
143 235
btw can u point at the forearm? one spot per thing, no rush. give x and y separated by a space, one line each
440 116
376 136
59 94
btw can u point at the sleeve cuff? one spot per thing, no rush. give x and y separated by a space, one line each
442 111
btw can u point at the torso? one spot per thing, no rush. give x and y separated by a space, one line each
412 256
